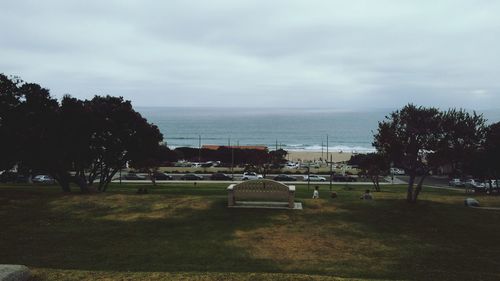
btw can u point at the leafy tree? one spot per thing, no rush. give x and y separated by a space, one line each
93 138
120 135
9 102
492 152
150 159
73 139
278 157
373 165
462 135
407 137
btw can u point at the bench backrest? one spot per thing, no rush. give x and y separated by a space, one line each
261 189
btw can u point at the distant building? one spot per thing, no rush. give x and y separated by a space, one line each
215 147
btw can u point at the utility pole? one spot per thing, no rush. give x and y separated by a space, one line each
327 155
308 177
331 172
322 156
232 160
199 148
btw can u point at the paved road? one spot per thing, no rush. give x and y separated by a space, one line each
439 182
237 177
229 182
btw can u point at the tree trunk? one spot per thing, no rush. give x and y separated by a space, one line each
152 177
375 183
409 193
109 176
63 178
418 188
82 183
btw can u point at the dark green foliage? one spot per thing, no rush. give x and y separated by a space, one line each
372 165
421 139
492 151
406 138
462 135
95 138
227 154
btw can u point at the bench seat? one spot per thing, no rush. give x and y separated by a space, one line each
271 192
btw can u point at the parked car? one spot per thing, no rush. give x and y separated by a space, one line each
314 178
474 184
220 177
162 176
342 178
397 171
492 185
456 182
292 165
192 177
14 177
284 178
45 179
250 176
133 176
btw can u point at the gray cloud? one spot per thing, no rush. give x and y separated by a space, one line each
342 54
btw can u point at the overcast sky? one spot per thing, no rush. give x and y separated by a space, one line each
339 54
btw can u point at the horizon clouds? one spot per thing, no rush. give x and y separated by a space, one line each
338 54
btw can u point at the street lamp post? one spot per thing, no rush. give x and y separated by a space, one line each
308 177
331 171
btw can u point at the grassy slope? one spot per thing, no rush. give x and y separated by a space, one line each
183 232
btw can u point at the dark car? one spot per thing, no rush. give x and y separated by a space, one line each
162 176
13 177
220 177
342 178
191 177
284 178
133 176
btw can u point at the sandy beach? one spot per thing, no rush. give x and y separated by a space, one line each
296 156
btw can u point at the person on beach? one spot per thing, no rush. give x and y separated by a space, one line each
367 195
316 192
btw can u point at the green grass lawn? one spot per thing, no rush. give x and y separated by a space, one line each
182 232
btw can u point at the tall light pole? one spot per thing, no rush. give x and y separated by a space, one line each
322 156
327 144
199 148
232 162
331 172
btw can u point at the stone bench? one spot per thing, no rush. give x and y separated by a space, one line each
272 192
14 272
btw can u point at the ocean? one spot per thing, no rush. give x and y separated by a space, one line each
292 129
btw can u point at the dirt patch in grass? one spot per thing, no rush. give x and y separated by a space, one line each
306 240
120 207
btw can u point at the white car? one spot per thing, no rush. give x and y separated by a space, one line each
43 179
456 182
314 178
397 171
474 184
251 176
291 165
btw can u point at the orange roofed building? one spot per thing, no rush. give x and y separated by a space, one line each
215 147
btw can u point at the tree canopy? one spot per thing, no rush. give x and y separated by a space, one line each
419 139
92 138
